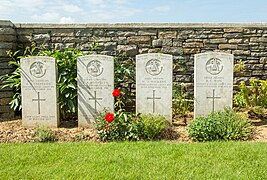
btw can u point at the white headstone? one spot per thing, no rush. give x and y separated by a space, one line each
39 92
213 82
95 87
154 84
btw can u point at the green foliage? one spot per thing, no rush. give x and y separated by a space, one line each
125 126
67 79
181 106
239 66
222 125
124 76
152 126
253 95
44 134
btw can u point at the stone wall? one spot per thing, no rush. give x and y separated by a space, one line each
247 41
8 41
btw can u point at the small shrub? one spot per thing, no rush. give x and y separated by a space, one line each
222 125
253 95
44 134
152 126
125 126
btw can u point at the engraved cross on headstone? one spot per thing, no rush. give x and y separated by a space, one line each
213 97
38 100
95 98
153 98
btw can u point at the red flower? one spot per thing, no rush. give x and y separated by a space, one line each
116 92
109 117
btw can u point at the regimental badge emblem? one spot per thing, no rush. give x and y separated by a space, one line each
154 67
37 69
95 68
214 66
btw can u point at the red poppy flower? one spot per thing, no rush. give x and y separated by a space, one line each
109 117
116 92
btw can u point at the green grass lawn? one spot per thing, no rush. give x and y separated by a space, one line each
140 160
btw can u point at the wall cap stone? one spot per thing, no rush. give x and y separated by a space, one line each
6 23
142 25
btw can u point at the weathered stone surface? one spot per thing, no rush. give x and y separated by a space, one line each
157 43
166 42
167 34
39 92
147 32
172 50
130 50
154 84
127 33
177 43
193 44
62 32
84 32
235 41
227 46
215 36
8 38
95 87
7 45
213 82
263 60
191 50
139 39
233 30
218 40
41 37
233 35
110 46
241 52
7 31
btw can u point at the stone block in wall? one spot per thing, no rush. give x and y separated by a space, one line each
216 41
250 31
7 30
84 32
139 39
233 30
172 50
110 46
157 43
211 36
167 34
177 43
227 46
193 44
143 50
147 32
241 52
99 32
25 39
166 42
233 35
7 45
263 60
198 36
130 50
7 38
191 50
41 37
235 41
62 32
127 33
259 73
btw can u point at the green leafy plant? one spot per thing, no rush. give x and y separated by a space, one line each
44 134
222 125
181 105
239 66
253 95
122 126
124 77
152 126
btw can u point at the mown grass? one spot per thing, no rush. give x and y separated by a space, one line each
140 160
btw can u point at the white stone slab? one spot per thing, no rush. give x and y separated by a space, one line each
213 82
95 87
154 84
39 92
